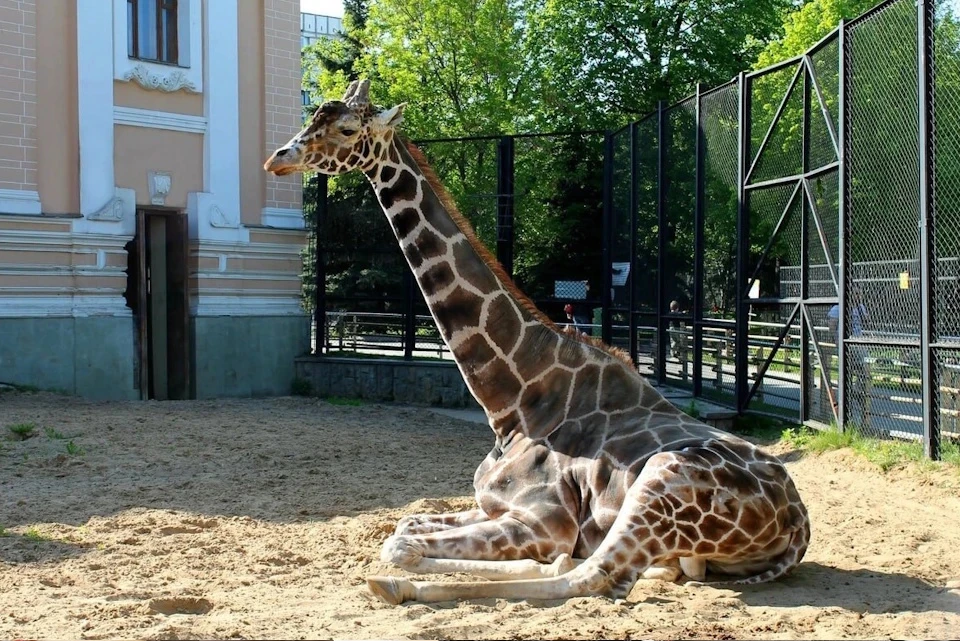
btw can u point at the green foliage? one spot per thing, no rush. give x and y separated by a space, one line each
3 532
73 449
22 431
53 434
885 453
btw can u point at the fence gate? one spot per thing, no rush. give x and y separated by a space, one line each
789 277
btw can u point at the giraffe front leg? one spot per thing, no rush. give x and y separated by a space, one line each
428 523
503 548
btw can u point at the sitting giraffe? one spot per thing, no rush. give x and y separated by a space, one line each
594 479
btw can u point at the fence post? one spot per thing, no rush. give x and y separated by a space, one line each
661 362
930 396
698 249
607 277
409 314
505 202
806 330
843 135
634 206
741 354
320 271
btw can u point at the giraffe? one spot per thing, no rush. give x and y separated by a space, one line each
594 479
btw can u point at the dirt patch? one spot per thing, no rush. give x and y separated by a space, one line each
262 518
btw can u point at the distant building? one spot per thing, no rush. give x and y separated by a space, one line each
144 251
313 27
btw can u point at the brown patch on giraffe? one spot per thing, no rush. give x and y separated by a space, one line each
387 172
436 279
735 540
458 310
687 531
496 386
405 222
736 480
670 539
539 345
573 439
571 353
507 424
430 245
661 527
619 388
343 153
473 271
503 324
544 402
713 527
705 548
688 514
752 516
654 547
403 190
437 215
474 353
585 386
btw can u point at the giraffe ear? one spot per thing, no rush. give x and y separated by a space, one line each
391 117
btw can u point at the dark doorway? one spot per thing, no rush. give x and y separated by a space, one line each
158 293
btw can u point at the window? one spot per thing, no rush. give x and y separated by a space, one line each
152 30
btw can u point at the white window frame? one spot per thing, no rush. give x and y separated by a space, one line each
186 75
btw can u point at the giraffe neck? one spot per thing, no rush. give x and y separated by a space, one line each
507 355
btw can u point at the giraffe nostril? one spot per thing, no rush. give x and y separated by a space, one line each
282 152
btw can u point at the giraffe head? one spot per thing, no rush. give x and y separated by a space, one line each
343 135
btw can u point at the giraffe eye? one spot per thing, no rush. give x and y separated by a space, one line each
348 132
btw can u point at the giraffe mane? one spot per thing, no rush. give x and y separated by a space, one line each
490 260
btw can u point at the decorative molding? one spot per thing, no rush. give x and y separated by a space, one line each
64 304
169 82
160 183
186 76
221 220
282 218
14 201
122 205
219 305
211 219
133 117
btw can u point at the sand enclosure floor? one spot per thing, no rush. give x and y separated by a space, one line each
262 518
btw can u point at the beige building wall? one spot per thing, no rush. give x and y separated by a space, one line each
130 94
139 150
282 75
58 140
18 95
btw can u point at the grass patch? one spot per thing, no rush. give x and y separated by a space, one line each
3 532
691 409
73 449
53 434
343 400
884 453
22 431
762 428
33 534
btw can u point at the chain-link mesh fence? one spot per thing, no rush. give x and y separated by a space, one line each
829 166
883 252
719 126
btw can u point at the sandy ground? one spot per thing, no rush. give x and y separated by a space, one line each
261 519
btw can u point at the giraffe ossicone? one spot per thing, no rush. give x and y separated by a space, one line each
594 479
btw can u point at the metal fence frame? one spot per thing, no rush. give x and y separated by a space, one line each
745 390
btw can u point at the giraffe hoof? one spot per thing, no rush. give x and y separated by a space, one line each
390 589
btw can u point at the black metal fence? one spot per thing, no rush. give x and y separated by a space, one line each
788 242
